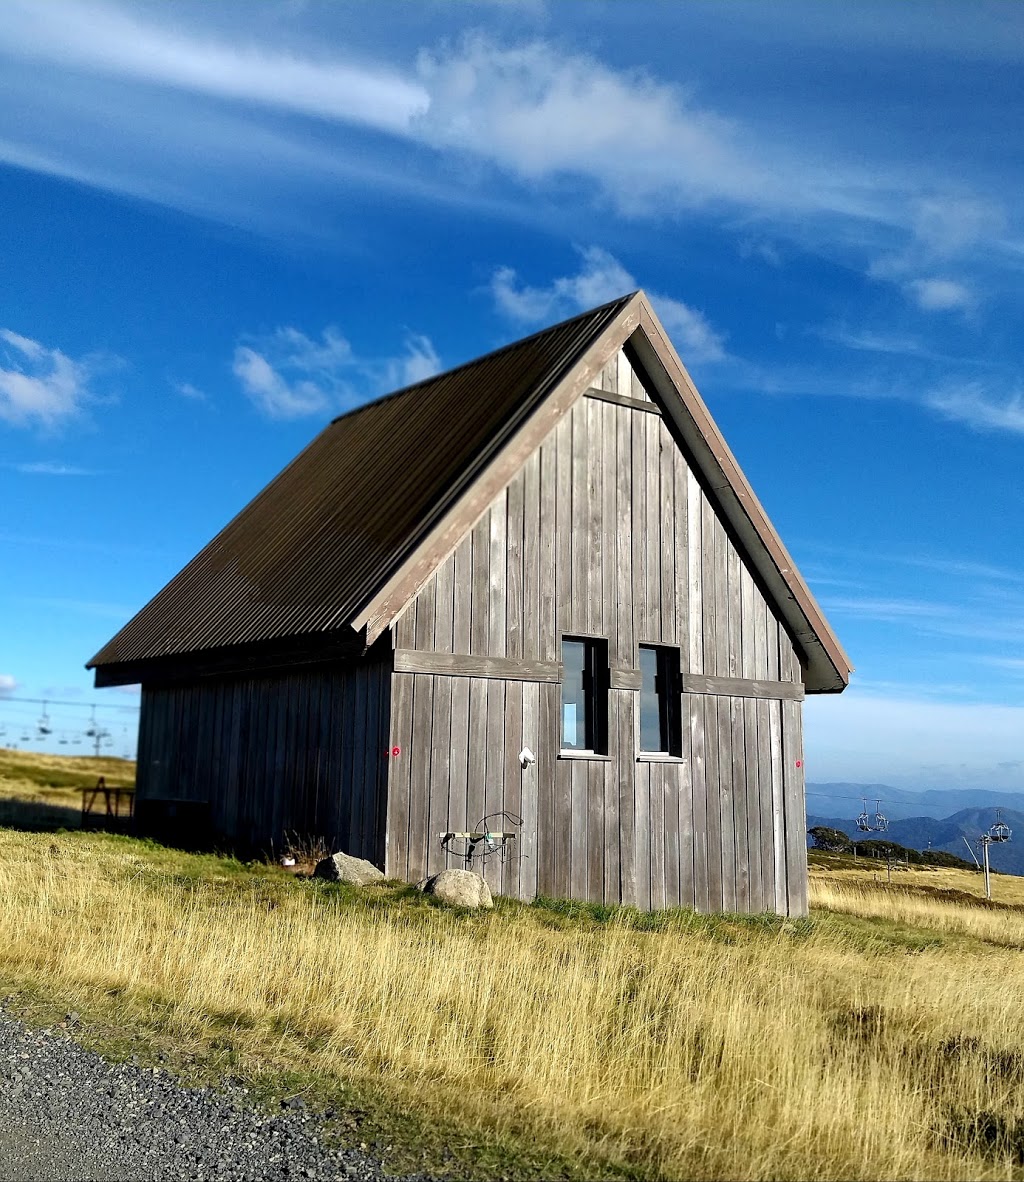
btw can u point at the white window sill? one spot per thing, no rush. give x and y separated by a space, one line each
659 757
591 755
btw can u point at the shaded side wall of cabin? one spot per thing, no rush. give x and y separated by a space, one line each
255 761
605 532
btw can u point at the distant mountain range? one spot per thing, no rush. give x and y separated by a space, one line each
943 833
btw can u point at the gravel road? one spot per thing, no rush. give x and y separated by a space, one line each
66 1114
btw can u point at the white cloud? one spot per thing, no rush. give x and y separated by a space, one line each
39 385
107 40
602 278
973 405
290 375
52 468
941 295
187 390
8 684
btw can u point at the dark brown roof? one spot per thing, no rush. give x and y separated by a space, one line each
314 545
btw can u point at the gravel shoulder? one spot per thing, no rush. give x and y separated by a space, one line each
68 1114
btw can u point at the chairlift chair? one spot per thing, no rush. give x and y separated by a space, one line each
1000 831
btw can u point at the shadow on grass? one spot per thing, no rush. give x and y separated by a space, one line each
38 816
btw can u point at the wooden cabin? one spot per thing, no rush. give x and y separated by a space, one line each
535 596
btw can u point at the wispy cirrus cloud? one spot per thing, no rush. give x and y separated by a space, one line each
8 684
601 278
289 375
39 385
51 468
972 404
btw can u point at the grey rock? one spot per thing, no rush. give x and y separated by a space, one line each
341 867
459 888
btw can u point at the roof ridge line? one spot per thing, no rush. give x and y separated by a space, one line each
623 299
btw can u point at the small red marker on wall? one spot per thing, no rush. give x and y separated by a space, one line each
799 763
396 750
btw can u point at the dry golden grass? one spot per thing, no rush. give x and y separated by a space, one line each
839 1047
39 789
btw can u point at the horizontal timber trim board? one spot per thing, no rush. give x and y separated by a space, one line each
742 687
622 400
624 679
408 660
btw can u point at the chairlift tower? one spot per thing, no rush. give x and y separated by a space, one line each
998 833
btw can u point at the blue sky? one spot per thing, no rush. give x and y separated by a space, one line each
223 224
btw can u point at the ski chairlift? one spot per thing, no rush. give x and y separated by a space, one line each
43 725
1000 831
868 823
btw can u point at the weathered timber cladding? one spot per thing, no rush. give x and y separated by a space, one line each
262 759
606 531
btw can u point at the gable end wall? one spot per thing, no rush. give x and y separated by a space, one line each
605 531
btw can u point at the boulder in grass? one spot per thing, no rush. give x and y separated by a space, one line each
341 867
460 888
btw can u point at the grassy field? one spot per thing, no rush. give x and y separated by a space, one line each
883 1037
40 790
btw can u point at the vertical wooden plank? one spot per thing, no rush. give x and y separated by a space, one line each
778 808
698 774
512 801
656 779
713 816
693 649
624 375
766 822
638 515
611 887
625 777
497 639
624 581
642 834
396 846
549 770
462 605
494 783
528 835
726 804
739 803
594 587
564 586
595 830
772 631
672 774
680 547
579 883
514 568
795 804
609 376
609 542
444 606
480 587
722 549
476 785
638 391
405 628
710 622
457 818
425 616
531 641
652 526
735 584
687 811
748 625
355 731
419 781
549 492
667 533
579 597
751 746
562 827
439 786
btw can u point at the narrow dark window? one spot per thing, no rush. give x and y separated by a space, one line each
584 695
660 689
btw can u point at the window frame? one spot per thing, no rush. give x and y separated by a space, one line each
595 686
668 686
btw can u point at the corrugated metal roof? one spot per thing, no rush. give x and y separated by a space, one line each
314 545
